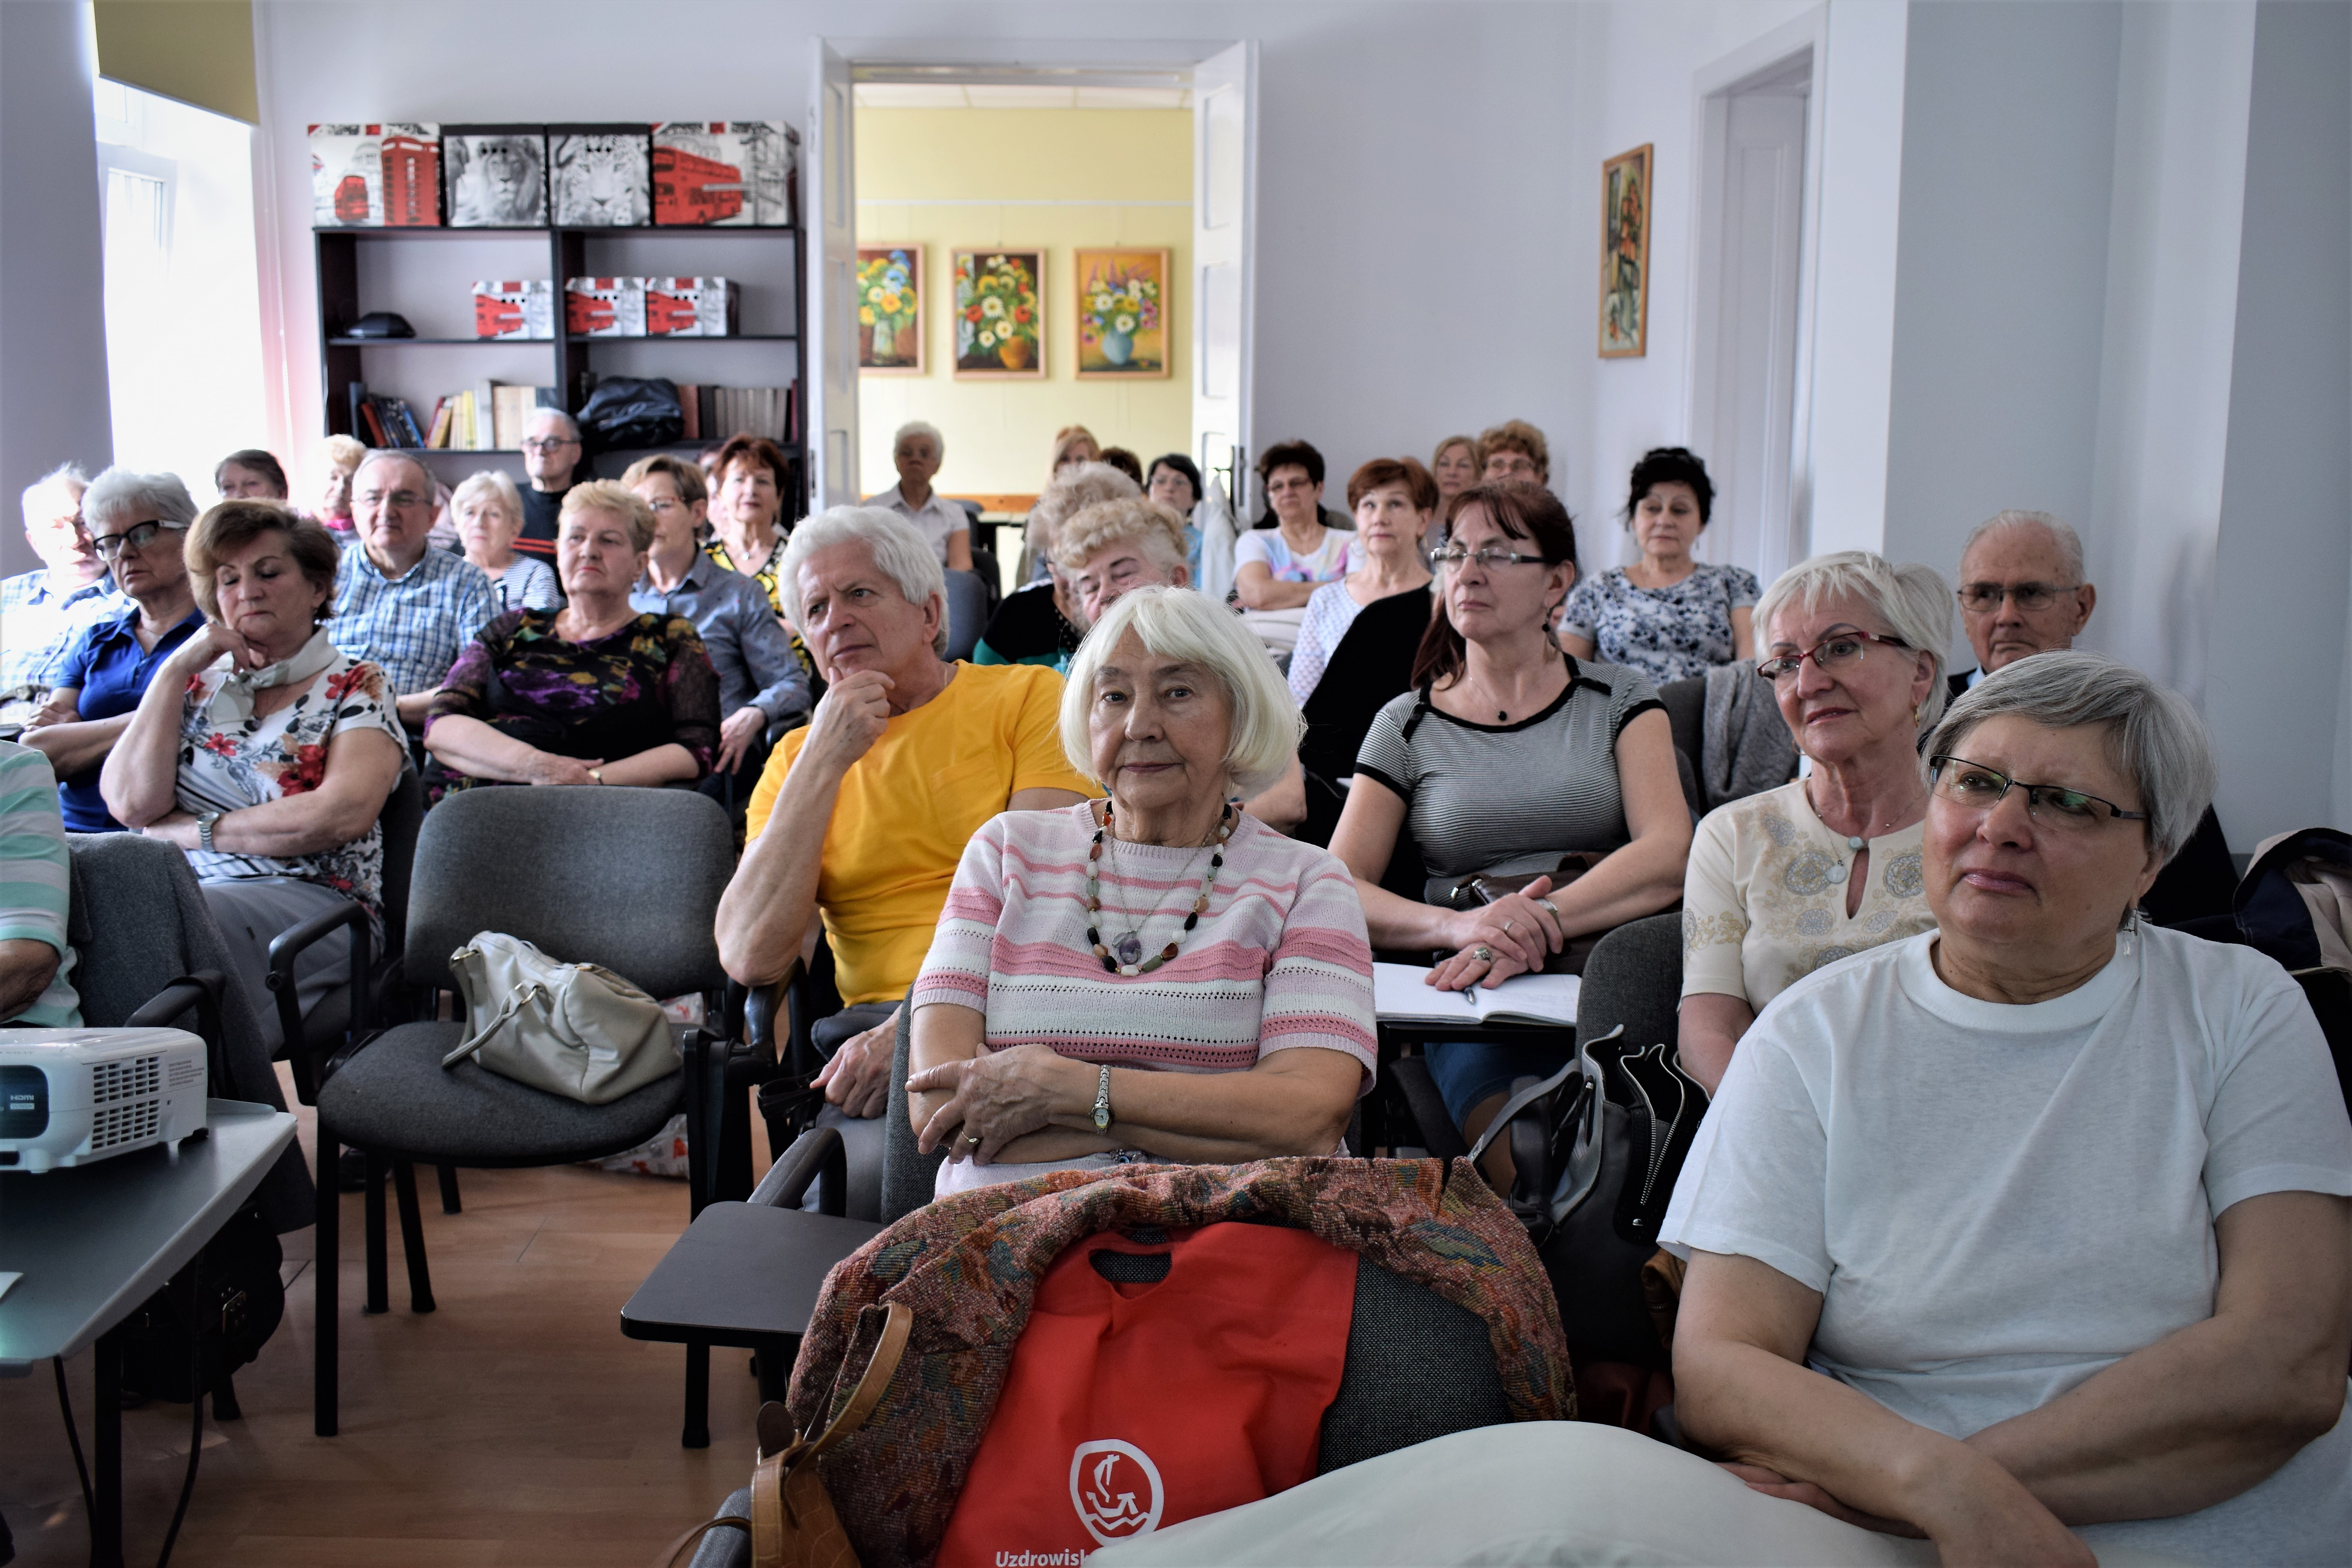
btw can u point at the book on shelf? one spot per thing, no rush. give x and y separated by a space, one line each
376 176
689 408
372 428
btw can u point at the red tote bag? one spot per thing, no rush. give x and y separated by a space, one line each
1130 1406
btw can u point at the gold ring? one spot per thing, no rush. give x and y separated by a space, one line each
974 1141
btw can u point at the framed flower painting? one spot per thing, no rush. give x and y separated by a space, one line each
890 310
1000 325
1625 254
1122 313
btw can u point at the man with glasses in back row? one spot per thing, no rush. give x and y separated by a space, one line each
551 461
404 606
2022 592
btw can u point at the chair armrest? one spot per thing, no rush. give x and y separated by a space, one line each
290 944
818 1155
200 991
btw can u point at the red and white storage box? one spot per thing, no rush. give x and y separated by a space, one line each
737 173
376 176
604 307
689 308
516 307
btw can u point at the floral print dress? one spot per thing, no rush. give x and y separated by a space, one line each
1667 633
283 755
648 684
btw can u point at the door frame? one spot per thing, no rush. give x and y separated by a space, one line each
1073 62
1800 43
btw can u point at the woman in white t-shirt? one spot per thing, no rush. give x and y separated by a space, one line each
2040 1219
1279 568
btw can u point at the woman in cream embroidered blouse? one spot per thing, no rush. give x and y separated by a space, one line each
1784 883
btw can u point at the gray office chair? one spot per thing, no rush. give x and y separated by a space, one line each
968 612
629 879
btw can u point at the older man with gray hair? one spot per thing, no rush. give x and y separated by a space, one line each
551 461
860 819
400 604
2023 591
42 610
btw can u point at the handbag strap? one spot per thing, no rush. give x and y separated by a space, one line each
530 991
897 1325
693 1537
1515 1104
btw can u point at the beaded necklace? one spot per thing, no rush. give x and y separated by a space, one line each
1131 950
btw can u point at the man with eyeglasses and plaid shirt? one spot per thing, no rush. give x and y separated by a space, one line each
400 604
2021 593
43 610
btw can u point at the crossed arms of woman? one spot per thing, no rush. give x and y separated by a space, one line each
2194 1419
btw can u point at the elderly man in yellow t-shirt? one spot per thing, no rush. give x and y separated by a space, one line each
906 757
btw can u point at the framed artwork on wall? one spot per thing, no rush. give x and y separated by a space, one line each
1000 329
1625 254
1122 312
890 310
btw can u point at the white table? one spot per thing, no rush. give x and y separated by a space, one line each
94 1241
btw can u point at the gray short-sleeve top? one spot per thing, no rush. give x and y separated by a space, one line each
1508 798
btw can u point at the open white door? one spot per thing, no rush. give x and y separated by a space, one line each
1224 209
830 204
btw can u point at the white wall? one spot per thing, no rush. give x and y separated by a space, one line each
53 403
2275 678
1413 223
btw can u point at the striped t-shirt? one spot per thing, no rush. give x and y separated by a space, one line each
35 878
1510 798
1278 960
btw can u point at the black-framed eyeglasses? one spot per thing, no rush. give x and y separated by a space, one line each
1492 556
551 443
138 536
2027 596
1835 651
1977 787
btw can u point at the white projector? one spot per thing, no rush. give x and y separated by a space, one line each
70 1097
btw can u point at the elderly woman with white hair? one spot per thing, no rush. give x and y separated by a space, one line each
1783 882
1163 977
488 508
1114 547
916 451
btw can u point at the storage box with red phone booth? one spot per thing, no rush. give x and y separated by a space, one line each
689 308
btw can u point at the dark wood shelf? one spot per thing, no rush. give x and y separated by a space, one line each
513 343
444 231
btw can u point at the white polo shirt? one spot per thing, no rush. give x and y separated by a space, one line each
935 519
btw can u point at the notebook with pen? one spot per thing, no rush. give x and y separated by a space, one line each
1401 995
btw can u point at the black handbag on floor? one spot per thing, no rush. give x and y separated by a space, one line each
231 1299
1597 1146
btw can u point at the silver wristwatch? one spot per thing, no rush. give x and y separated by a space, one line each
204 831
1102 1101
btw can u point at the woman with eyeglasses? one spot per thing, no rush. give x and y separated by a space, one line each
137 525
1539 792
1668 615
1783 882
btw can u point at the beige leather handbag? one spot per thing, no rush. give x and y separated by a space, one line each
572 1029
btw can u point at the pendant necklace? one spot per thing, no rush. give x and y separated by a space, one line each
1126 955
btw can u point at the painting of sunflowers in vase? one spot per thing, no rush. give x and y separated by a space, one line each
998 326
1122 312
890 310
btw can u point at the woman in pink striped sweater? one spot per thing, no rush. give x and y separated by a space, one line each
1157 976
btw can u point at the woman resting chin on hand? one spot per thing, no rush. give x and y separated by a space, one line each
1177 1020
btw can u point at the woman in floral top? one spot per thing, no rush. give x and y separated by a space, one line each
594 693
263 752
1668 616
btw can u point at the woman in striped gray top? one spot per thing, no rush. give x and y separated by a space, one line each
1510 758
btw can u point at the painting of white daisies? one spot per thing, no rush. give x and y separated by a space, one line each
1000 325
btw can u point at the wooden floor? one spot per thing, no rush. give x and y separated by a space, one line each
514 1426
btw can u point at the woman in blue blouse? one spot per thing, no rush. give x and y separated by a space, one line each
138 523
1668 616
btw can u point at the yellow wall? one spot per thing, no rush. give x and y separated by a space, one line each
1094 167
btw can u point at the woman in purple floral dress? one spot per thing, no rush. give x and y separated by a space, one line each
594 693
